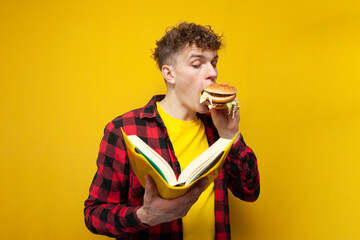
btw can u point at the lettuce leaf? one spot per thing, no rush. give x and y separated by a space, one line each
204 97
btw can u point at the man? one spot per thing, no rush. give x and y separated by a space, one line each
179 128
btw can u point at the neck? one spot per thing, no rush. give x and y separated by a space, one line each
175 109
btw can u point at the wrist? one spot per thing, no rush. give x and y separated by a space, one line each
144 217
230 135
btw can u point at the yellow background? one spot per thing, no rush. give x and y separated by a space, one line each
69 67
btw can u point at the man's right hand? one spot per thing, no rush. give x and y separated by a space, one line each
157 210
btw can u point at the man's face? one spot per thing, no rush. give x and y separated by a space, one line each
193 70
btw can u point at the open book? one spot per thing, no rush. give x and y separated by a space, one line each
146 161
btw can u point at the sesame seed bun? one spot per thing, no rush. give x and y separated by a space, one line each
222 99
220 92
221 88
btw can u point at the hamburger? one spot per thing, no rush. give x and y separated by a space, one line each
220 96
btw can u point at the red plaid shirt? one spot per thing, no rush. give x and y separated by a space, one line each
116 193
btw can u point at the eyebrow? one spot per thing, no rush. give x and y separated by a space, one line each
201 56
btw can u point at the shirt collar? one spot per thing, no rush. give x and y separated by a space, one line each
149 111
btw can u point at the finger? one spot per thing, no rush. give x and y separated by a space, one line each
221 111
194 193
202 184
199 189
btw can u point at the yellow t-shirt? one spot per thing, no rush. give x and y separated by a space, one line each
189 140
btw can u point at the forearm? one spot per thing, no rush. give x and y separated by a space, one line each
243 174
113 220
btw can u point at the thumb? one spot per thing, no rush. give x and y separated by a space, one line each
202 184
149 187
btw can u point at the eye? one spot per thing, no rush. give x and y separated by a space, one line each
214 64
196 64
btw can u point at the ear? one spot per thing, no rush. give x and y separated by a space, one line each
168 73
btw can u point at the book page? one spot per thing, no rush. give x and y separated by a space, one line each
204 168
204 159
154 159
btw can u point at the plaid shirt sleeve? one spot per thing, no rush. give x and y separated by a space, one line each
242 175
242 170
107 209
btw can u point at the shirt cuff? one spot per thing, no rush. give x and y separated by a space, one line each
135 224
238 147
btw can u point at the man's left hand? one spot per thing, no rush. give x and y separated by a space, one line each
225 123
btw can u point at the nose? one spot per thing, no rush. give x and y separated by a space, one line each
211 72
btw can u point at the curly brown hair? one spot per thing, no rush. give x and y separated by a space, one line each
185 34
